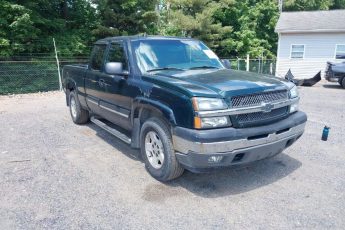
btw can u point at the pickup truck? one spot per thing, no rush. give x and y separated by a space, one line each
335 72
173 99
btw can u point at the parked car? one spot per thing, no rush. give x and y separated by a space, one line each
173 98
335 72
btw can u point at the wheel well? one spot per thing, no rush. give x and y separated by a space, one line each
69 88
140 116
146 113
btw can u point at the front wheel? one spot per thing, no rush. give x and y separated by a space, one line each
157 150
78 114
343 82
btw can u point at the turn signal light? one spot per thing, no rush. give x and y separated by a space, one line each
197 122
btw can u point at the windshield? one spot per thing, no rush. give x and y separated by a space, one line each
155 55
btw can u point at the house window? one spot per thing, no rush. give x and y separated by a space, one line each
297 51
340 51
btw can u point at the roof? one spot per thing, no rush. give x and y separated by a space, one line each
140 37
311 21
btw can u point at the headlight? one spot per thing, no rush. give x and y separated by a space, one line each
293 92
211 122
294 107
203 103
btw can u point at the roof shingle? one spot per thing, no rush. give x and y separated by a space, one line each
311 21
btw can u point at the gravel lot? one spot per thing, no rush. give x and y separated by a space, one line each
57 175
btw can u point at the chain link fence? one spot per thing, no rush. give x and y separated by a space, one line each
261 66
39 72
28 76
32 75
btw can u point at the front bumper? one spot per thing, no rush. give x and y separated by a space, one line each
332 77
196 149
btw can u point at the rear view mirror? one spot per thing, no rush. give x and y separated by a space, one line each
226 63
115 68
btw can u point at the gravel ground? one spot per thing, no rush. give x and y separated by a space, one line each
57 175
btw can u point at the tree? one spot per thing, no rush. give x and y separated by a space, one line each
338 4
29 26
253 24
123 17
300 5
256 35
195 18
230 27
16 28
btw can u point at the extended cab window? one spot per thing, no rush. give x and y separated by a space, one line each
117 54
97 57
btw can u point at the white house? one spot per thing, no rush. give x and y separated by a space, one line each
307 40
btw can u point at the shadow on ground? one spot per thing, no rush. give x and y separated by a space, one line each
231 181
218 183
333 86
116 143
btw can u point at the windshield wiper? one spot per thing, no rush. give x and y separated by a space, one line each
204 67
164 68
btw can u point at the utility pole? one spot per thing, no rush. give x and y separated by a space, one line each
58 65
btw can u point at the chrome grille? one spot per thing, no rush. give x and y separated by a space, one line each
257 99
245 120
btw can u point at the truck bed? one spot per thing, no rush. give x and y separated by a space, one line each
75 72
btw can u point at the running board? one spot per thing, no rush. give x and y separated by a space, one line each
111 130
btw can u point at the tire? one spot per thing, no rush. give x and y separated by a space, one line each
155 137
343 82
78 114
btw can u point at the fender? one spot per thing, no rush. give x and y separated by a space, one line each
141 103
68 81
69 84
144 102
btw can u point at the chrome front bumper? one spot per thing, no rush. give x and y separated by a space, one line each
196 149
184 146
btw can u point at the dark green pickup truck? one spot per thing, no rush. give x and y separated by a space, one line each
174 99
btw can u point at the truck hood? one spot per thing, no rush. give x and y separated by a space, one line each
222 83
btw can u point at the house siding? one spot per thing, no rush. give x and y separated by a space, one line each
319 48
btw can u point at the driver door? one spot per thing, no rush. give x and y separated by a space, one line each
114 103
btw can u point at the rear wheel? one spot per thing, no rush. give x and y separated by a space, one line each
157 150
78 114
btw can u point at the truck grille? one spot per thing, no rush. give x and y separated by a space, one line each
259 118
245 120
257 99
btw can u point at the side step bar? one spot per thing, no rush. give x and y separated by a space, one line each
111 130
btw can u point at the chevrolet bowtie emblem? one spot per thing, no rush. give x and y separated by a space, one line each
266 107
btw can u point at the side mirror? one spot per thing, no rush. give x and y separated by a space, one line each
115 68
226 63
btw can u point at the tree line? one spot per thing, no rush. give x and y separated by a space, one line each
233 28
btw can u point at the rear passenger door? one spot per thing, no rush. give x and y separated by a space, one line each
94 74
